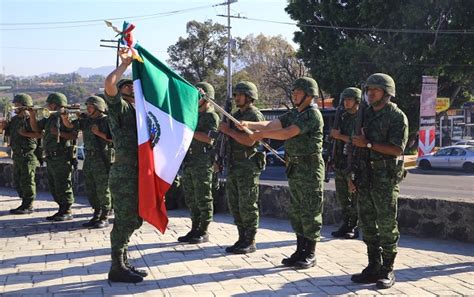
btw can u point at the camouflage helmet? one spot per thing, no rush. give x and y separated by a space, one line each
23 99
382 81
58 98
207 88
248 88
97 102
352 93
308 85
123 81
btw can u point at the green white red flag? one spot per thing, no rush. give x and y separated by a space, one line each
167 114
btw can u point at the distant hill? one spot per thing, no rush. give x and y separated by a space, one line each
88 71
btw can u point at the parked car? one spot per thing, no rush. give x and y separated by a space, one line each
272 160
465 142
456 157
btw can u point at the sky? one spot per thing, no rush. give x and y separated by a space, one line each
30 47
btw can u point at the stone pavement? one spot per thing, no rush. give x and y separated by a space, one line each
41 258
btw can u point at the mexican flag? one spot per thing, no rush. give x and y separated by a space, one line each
167 115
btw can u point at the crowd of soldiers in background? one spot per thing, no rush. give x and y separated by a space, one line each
369 135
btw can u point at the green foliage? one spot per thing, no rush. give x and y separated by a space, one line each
340 58
201 53
75 93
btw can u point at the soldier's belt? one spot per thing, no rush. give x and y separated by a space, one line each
52 154
242 155
381 164
303 158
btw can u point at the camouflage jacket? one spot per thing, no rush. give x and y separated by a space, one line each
388 125
200 151
91 141
50 144
20 145
251 114
123 127
310 139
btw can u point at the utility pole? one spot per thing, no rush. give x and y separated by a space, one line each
229 48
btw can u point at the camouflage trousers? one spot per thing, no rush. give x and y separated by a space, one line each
123 181
96 176
242 194
60 179
378 204
306 202
347 200
24 169
197 183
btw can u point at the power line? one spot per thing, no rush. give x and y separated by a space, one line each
411 31
97 22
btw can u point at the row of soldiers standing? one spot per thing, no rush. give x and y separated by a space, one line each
368 194
301 128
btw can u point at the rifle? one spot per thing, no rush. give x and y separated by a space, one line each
356 155
220 157
332 143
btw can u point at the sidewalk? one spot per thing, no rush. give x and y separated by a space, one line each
62 259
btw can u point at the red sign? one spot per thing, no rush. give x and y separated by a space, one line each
426 141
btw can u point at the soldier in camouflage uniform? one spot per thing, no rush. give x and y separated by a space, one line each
59 150
385 135
350 98
245 166
123 178
98 152
302 130
23 141
198 170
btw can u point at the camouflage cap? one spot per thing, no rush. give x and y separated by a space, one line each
382 81
248 88
207 88
308 85
58 98
23 99
124 81
97 102
352 93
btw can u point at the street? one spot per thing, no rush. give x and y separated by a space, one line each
445 184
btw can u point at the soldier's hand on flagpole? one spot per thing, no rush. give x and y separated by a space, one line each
125 56
242 125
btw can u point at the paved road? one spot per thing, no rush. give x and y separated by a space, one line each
40 258
446 184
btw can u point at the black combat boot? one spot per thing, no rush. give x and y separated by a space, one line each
201 235
58 213
120 273
95 217
64 214
308 258
230 249
126 262
103 221
371 273
341 232
24 208
290 261
387 276
190 234
247 244
353 230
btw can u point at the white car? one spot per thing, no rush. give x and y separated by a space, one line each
456 157
465 142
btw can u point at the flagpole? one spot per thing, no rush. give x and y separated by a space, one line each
245 129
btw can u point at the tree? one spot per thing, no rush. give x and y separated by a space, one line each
272 64
201 54
75 93
352 46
